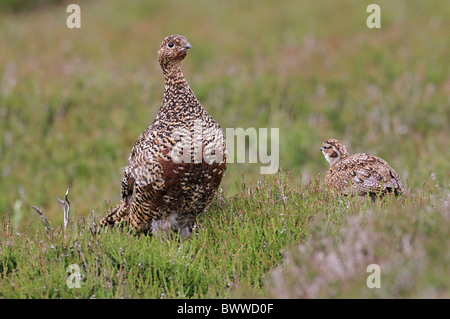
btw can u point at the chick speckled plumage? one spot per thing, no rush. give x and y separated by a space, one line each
359 174
177 163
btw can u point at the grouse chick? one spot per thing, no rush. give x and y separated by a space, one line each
359 174
177 163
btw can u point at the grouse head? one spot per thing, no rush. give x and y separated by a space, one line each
334 151
173 49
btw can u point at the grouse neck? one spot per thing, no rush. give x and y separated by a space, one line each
335 160
176 86
173 76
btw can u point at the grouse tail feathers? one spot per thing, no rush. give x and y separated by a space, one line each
116 215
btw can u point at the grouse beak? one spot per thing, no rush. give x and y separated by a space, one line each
187 46
321 149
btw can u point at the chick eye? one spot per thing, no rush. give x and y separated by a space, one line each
170 44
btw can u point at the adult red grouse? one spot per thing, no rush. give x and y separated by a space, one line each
177 163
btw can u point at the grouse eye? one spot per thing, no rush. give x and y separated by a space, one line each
170 44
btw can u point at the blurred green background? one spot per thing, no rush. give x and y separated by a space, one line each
73 101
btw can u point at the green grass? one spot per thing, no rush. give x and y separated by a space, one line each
272 240
72 103
234 243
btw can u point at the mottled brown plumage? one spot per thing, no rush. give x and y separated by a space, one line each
359 174
177 163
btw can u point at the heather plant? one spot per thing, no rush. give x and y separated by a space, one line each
405 241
